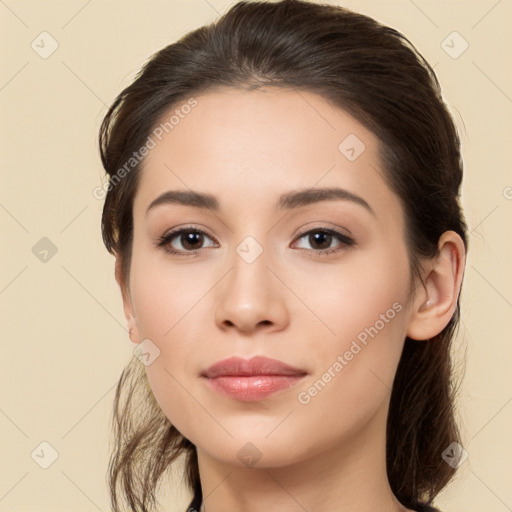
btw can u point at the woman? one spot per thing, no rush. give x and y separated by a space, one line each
283 207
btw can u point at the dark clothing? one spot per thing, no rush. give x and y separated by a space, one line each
195 505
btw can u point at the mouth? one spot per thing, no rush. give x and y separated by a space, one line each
252 379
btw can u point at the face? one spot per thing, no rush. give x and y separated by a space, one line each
269 268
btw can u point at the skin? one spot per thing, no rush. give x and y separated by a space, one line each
291 303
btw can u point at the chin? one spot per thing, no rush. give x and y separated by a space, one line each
253 449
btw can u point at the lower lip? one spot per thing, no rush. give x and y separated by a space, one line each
254 387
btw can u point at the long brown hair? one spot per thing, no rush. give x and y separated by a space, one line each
374 73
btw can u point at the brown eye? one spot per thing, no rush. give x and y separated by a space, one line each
321 241
191 240
184 240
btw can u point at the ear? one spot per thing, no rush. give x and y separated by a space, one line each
129 313
435 302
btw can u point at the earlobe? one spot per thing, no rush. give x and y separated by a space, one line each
436 302
133 330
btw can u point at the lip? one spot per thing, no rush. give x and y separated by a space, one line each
251 379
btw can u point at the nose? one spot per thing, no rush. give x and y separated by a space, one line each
251 298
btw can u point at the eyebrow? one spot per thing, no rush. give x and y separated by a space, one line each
288 201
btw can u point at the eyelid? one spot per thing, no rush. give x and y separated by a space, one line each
186 227
163 241
325 226
345 240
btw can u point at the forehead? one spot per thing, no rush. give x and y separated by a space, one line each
239 144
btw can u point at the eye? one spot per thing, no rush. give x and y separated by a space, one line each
188 240
183 240
321 239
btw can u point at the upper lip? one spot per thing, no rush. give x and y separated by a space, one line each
258 365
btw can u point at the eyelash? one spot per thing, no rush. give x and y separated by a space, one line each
345 241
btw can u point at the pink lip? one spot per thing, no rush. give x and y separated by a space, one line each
251 379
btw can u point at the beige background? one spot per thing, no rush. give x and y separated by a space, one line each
64 342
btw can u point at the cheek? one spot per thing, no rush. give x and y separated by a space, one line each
356 295
363 327
171 308
356 366
163 295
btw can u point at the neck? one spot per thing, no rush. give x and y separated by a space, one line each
349 477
